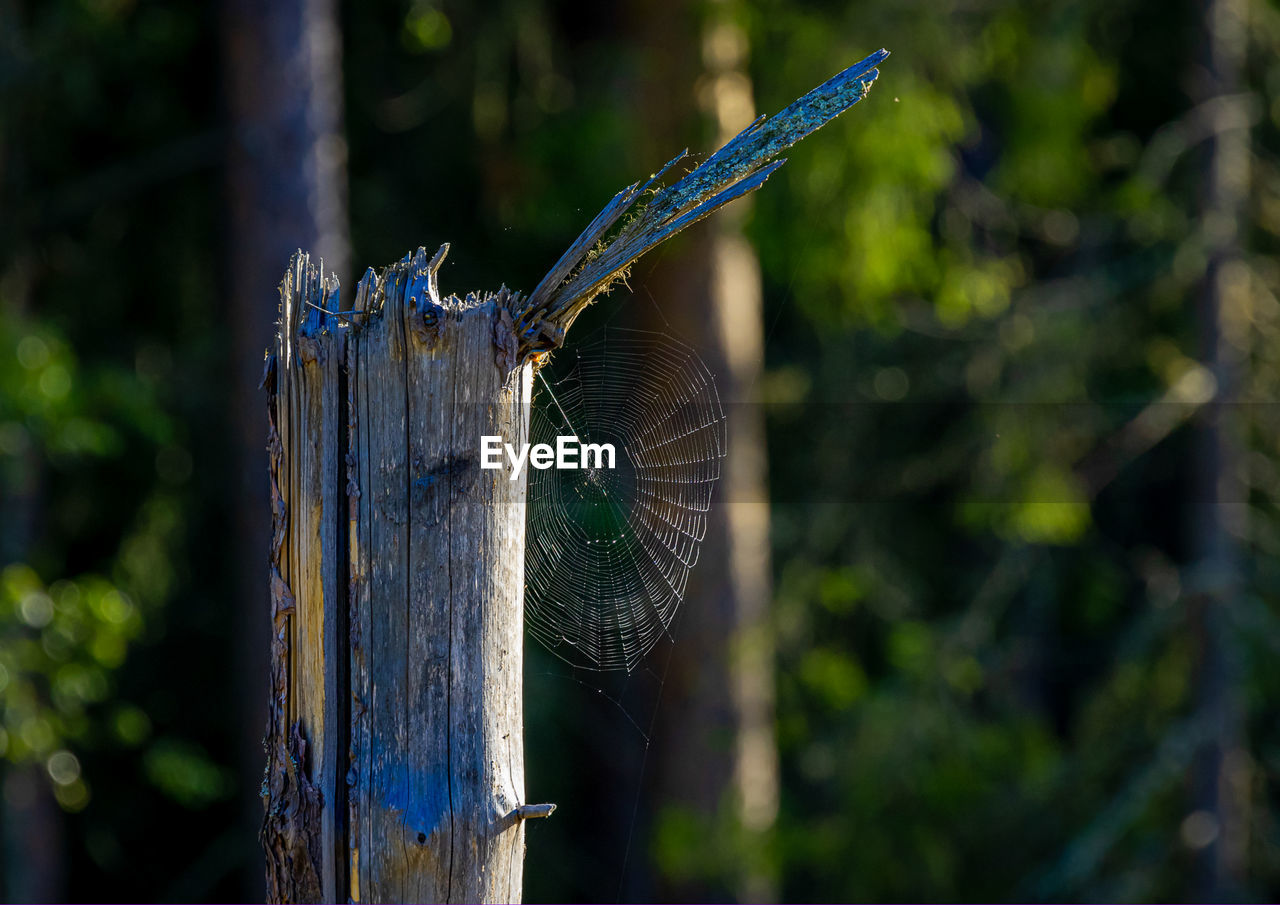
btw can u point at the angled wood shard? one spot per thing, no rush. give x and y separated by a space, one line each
595 260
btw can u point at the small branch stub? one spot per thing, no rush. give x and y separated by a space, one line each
532 811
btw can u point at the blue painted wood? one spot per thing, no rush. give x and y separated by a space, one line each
594 261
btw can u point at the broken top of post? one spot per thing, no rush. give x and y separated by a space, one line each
596 259
592 263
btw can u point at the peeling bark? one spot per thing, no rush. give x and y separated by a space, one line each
289 830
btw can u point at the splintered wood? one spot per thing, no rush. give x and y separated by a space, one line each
395 745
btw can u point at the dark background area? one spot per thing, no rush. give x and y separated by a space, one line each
990 611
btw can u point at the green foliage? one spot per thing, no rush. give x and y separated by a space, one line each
61 644
1007 238
185 773
110 347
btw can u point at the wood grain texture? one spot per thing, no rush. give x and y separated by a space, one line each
438 676
399 578
305 763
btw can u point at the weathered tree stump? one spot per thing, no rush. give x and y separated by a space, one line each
396 747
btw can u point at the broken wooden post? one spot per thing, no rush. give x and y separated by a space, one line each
398 571
395 753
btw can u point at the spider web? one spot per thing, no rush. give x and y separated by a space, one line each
610 549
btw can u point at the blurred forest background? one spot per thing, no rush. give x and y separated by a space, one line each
991 619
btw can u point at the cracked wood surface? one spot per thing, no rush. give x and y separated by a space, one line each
305 765
396 753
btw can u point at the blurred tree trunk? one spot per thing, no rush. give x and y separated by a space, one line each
1219 506
35 868
286 189
31 827
33 831
714 754
30 823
